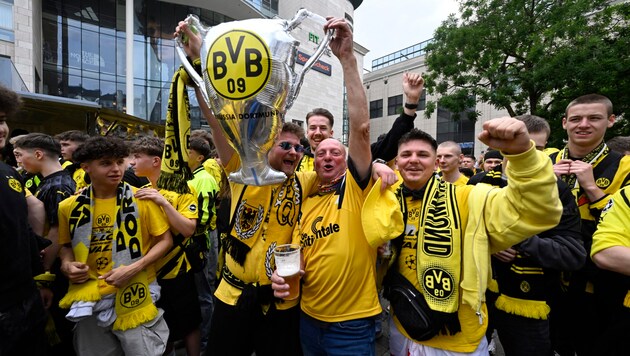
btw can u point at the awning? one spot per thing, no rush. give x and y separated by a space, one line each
52 115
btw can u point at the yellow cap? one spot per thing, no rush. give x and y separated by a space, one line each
381 217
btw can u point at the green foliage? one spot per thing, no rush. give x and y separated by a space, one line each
531 57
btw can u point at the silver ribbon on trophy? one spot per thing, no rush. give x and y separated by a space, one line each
249 82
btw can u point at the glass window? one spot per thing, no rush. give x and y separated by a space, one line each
376 108
72 39
107 54
422 103
108 98
6 16
90 90
140 101
139 60
51 45
90 56
394 104
121 57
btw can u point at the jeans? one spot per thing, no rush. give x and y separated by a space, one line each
352 337
522 336
205 281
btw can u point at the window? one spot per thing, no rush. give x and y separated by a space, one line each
394 104
376 108
422 103
6 20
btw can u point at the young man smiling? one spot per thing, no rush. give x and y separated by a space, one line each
442 235
110 241
594 173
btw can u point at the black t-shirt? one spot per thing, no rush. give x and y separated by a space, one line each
52 190
16 242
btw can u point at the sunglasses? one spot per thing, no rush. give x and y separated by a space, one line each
287 146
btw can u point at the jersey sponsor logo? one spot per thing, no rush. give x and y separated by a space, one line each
15 184
133 295
248 220
602 182
319 231
438 283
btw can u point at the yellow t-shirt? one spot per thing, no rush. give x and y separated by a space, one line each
612 229
339 283
185 204
257 266
462 180
468 339
152 223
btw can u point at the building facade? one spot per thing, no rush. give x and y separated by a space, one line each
80 50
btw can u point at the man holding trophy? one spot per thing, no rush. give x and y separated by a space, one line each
265 206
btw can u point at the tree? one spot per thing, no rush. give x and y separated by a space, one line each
531 56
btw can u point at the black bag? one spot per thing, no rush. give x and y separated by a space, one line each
194 253
410 307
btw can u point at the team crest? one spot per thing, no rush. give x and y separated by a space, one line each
248 220
602 182
525 287
15 185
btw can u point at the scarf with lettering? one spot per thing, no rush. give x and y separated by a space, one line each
259 214
439 250
175 172
133 304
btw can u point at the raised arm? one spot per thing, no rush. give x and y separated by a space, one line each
387 148
342 46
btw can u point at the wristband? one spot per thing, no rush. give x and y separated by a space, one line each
411 106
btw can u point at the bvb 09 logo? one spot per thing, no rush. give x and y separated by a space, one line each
238 65
133 295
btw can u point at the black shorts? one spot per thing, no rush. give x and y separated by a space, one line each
181 305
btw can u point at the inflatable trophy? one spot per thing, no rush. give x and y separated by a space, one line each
249 82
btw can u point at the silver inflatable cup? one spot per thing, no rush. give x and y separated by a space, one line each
249 82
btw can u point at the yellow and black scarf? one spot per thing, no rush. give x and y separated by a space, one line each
439 249
175 172
593 158
133 303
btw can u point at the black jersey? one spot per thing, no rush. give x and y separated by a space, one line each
52 190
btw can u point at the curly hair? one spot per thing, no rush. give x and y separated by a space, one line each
99 147
10 102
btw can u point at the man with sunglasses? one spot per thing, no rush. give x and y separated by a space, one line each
246 316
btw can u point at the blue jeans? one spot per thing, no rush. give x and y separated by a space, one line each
205 281
352 337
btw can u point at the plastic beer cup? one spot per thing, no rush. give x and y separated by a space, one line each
288 267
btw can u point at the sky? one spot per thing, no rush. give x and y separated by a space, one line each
385 26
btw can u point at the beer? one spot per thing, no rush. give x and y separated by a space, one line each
288 264
293 281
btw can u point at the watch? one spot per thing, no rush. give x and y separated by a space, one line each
381 161
411 106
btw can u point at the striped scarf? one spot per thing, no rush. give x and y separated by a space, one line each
133 305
